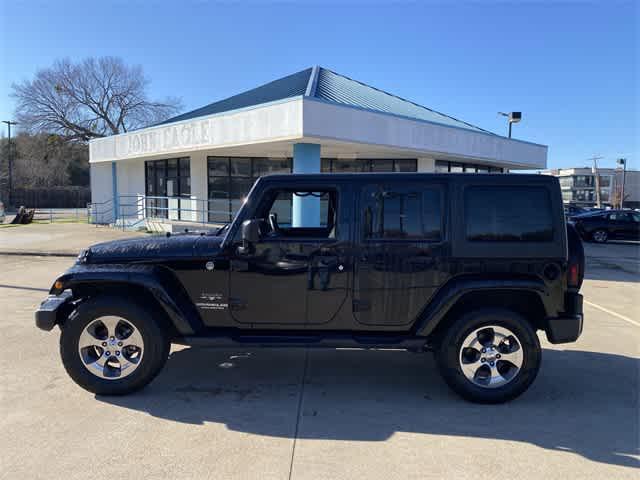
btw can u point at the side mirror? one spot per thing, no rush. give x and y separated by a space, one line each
251 230
250 235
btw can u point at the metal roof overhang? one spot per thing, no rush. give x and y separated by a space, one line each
270 130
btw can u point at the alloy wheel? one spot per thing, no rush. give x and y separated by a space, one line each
111 347
600 236
491 356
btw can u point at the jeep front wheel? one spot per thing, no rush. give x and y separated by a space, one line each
112 347
489 356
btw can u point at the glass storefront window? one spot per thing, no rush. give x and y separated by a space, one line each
381 165
343 165
240 167
270 166
166 178
444 166
409 165
231 178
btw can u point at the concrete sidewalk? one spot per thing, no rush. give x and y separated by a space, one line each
56 239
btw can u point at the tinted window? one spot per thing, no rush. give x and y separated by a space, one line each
403 213
508 214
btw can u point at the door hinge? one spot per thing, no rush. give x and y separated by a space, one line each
361 306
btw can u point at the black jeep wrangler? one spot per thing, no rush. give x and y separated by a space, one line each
468 266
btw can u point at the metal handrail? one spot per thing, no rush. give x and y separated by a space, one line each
135 209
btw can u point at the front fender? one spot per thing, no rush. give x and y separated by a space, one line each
157 281
447 296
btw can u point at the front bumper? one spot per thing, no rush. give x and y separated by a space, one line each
47 313
567 327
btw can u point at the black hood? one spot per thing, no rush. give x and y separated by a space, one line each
153 248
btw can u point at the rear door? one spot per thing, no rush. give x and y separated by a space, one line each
402 238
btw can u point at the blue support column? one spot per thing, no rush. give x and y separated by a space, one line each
114 190
306 210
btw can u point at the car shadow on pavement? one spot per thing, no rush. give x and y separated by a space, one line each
583 403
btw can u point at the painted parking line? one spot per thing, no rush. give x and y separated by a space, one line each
606 310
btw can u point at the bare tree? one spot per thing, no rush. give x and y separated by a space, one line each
93 98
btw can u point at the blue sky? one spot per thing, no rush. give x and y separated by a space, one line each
570 67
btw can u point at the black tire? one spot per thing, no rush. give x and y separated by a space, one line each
600 236
156 344
448 351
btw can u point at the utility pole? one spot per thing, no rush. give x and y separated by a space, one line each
594 169
623 162
9 123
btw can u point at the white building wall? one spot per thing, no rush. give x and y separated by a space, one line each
263 123
131 177
101 192
427 165
324 120
131 188
101 185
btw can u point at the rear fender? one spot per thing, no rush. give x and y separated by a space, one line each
448 296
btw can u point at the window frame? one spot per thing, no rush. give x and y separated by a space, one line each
417 187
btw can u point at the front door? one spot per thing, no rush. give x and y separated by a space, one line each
293 276
401 251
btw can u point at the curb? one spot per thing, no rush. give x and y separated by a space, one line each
40 254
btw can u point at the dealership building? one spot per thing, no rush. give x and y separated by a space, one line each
198 166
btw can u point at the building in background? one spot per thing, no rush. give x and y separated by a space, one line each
579 186
199 165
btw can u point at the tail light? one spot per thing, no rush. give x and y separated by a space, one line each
574 275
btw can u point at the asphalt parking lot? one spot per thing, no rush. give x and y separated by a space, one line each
279 414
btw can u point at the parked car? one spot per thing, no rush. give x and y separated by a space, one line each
466 266
572 210
2 213
607 225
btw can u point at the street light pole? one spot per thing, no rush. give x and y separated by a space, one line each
514 117
9 123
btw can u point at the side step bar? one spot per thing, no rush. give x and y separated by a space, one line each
306 341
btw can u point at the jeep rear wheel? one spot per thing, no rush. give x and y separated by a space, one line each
489 356
112 347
